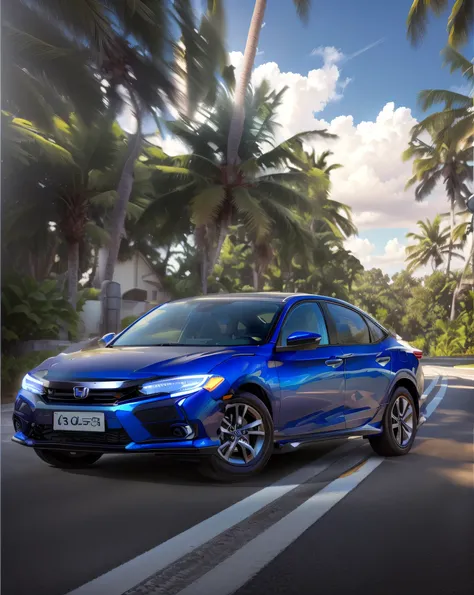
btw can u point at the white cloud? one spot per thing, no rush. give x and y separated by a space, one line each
306 94
373 178
263 24
330 55
392 258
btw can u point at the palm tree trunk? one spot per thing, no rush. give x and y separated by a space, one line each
124 190
256 277
72 272
203 250
223 233
450 250
472 249
95 263
238 116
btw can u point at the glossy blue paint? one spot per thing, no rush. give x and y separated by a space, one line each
367 381
300 338
313 391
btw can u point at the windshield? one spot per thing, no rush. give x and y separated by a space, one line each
206 322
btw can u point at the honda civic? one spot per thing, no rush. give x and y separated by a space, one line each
226 380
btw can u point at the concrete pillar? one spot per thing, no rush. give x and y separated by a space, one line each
111 302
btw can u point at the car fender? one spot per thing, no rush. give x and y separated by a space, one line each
243 370
405 374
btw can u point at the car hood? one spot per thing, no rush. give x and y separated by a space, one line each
129 363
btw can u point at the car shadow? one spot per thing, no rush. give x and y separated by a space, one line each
170 471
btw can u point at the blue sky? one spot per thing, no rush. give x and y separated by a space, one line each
391 71
386 73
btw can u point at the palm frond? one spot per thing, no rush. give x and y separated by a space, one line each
457 61
451 99
206 204
252 212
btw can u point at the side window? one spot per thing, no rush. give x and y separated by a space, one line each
376 333
351 328
305 317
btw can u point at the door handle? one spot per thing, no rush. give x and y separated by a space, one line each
383 361
334 362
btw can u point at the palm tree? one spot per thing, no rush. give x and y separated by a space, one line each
455 122
327 214
460 19
45 70
432 245
76 193
263 194
203 51
120 46
441 161
238 116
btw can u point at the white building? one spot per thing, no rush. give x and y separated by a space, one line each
141 290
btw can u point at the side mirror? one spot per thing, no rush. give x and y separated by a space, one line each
303 339
107 338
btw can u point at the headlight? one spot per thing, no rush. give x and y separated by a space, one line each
32 384
181 385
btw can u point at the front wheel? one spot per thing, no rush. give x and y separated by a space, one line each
246 436
67 460
399 426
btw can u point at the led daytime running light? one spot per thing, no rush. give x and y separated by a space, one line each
181 385
32 384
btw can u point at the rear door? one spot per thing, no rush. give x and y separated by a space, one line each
367 363
311 380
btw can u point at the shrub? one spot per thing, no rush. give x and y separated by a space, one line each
14 368
34 310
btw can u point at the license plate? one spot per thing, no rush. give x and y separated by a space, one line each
79 421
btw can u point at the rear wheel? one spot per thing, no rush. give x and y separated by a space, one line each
246 436
399 426
67 460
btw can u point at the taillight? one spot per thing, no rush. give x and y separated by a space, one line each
417 353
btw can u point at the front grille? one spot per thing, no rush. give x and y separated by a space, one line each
104 397
45 433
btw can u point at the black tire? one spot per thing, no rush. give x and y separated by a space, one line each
68 460
389 444
217 469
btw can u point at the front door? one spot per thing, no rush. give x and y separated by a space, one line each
311 380
367 364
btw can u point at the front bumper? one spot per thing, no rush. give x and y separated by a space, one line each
159 425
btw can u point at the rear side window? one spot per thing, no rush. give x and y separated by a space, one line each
376 333
351 328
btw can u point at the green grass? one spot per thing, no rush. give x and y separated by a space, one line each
465 366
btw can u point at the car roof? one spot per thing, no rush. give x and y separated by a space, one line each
273 296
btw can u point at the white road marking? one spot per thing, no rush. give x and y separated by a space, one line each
433 404
129 574
431 386
231 574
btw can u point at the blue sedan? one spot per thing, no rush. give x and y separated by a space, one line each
226 380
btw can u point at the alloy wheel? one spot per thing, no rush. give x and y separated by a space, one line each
242 434
402 420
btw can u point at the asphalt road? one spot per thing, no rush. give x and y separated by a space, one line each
332 518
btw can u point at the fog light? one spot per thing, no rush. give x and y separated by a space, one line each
182 431
17 425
